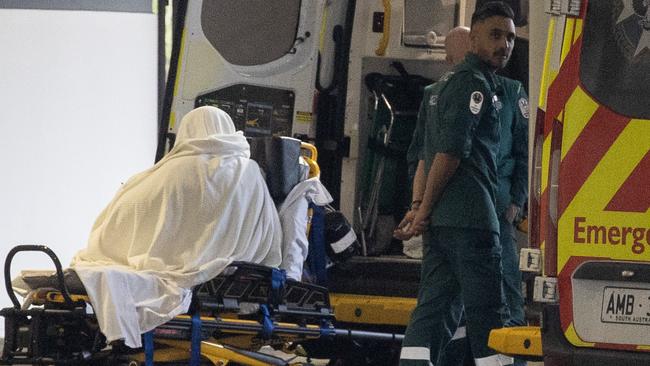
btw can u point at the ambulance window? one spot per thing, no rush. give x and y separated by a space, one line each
615 56
426 22
251 32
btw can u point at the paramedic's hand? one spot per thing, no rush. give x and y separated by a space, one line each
511 212
420 222
401 232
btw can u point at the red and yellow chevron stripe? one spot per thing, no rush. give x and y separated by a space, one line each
601 209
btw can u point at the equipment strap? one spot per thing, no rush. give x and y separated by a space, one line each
148 348
195 355
267 322
278 279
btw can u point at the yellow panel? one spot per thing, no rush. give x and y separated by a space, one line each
385 37
372 309
596 193
543 89
578 111
323 27
568 38
573 338
517 341
546 157
172 119
578 30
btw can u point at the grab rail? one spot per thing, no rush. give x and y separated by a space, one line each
57 264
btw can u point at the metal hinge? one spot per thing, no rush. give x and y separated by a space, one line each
530 260
571 7
545 289
563 7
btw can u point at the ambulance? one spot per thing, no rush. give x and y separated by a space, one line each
589 217
348 76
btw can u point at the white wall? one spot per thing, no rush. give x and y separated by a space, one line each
77 117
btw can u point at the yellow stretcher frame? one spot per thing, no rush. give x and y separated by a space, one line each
218 353
372 310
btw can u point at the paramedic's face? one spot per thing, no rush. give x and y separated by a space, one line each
493 39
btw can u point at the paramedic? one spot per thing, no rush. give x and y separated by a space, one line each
512 181
462 261
456 47
511 193
512 190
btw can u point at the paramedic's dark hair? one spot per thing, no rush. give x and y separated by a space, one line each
492 9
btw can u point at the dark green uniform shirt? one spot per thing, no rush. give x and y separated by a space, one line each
512 167
462 120
416 150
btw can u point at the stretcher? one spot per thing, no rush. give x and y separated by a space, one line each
246 308
56 324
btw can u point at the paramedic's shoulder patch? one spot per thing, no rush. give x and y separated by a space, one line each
475 102
523 107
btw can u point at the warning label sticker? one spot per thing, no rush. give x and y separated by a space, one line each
304 117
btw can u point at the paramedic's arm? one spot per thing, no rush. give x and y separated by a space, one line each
417 144
418 191
519 179
419 182
416 147
442 169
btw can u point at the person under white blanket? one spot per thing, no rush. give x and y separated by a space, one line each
176 225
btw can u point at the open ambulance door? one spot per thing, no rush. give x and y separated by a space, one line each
265 63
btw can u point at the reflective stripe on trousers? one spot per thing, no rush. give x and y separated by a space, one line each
494 360
416 354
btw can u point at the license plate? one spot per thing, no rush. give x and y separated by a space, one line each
626 306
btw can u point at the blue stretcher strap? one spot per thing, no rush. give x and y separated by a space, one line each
317 259
267 323
195 354
148 348
278 278
325 329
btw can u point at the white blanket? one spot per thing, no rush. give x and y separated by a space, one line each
176 225
293 216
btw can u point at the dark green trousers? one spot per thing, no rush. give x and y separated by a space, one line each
460 266
457 352
511 274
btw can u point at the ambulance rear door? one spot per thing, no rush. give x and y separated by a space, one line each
598 232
